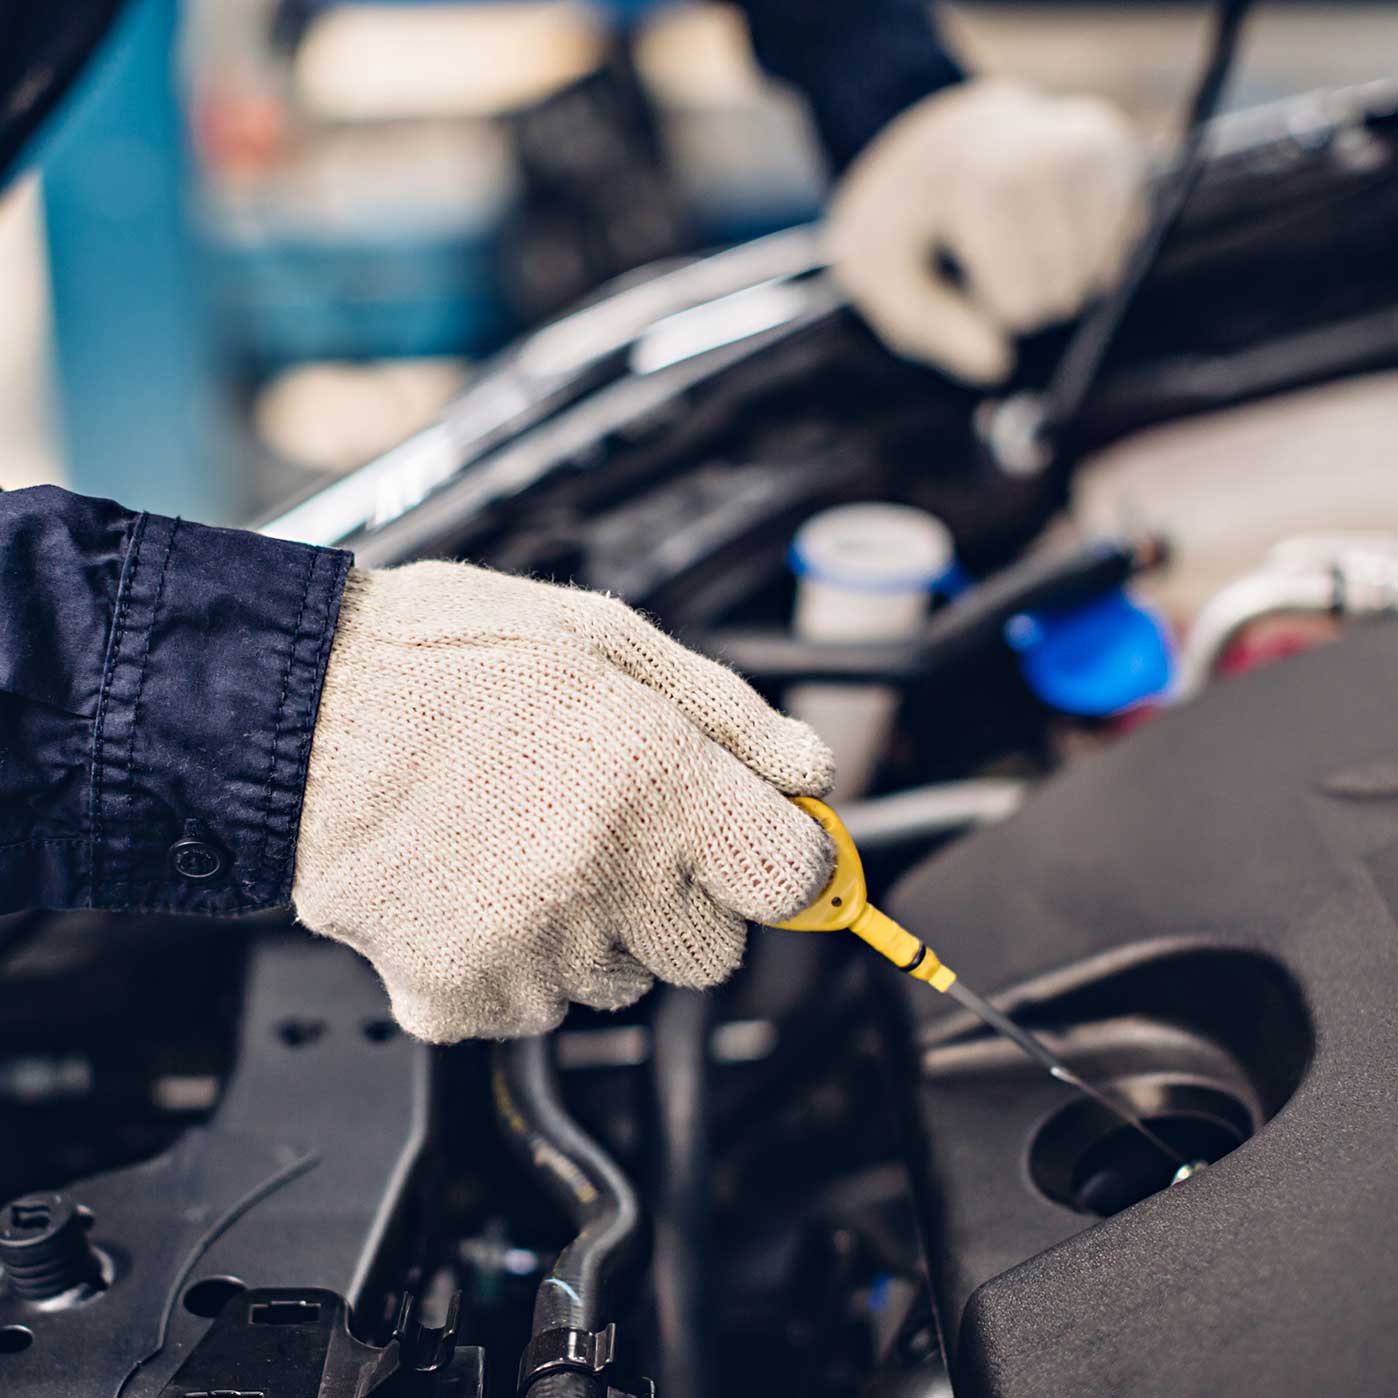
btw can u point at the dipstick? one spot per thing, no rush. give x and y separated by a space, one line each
843 906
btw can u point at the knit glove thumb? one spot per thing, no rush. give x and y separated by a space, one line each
1034 200
521 795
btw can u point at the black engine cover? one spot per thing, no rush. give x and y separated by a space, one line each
1207 913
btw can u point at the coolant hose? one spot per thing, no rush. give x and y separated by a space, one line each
579 1291
1349 581
1242 603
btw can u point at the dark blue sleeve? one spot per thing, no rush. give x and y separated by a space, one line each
159 682
859 62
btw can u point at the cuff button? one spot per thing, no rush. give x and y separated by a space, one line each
195 857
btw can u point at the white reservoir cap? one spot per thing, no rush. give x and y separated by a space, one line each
878 548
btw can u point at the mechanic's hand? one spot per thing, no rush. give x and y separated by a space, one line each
984 211
521 795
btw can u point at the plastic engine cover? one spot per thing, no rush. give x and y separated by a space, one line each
1208 914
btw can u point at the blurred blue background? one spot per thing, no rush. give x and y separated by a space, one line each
269 238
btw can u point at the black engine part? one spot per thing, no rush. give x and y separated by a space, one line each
1208 916
298 1179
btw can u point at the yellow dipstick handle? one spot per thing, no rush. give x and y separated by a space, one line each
844 905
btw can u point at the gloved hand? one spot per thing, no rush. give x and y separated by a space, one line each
1035 200
521 795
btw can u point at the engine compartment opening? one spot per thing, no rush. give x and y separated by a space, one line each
1085 1158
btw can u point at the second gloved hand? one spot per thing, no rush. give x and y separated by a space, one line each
521 795
1033 200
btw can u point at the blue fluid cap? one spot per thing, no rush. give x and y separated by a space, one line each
1095 659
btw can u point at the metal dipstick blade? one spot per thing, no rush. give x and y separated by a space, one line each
1042 1054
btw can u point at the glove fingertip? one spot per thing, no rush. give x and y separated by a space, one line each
783 861
814 771
810 867
434 1020
697 950
619 982
794 758
982 366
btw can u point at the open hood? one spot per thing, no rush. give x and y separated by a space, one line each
43 47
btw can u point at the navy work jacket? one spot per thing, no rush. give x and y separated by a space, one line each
159 680
158 689
858 62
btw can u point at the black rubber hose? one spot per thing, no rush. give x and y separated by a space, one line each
580 1289
1081 365
807 1041
680 1077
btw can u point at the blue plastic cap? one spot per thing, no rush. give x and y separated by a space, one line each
1096 659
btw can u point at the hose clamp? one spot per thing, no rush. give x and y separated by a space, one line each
567 1350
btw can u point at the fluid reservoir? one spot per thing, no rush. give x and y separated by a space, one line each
864 572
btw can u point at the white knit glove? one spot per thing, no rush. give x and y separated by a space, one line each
521 795
1034 198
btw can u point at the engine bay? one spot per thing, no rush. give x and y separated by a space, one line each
822 1180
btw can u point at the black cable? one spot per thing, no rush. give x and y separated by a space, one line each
974 620
578 1293
680 1073
1080 367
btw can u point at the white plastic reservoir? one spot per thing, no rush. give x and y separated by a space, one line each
864 573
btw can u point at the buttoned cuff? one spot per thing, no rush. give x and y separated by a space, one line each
209 694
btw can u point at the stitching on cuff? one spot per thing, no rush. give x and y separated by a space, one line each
339 567
264 845
39 840
123 887
124 590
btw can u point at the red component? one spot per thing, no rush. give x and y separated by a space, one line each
1275 639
